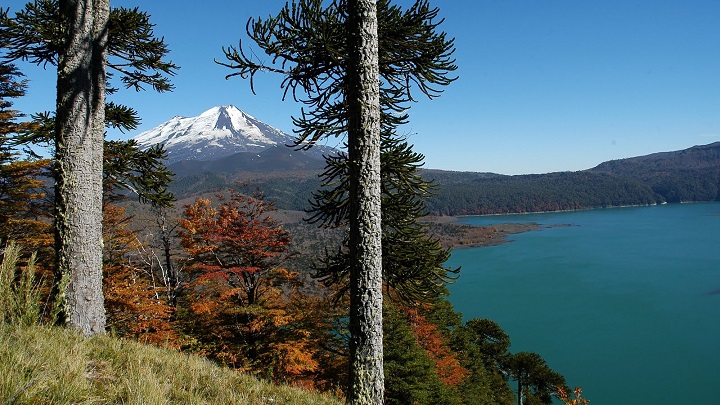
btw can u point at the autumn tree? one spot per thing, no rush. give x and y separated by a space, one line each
435 344
237 241
574 398
241 300
411 374
78 36
22 213
135 300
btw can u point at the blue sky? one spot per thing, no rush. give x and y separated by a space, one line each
544 85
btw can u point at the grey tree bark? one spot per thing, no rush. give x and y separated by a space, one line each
80 125
363 103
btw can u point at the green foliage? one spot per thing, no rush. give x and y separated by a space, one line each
686 175
136 53
141 171
479 345
483 345
19 291
35 34
307 43
481 193
412 260
537 383
410 375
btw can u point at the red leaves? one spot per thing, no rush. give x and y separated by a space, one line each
236 241
242 300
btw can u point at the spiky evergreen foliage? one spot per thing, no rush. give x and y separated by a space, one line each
143 172
307 42
413 268
537 383
34 34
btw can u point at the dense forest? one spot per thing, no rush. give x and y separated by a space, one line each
477 195
689 175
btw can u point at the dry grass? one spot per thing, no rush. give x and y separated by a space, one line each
44 365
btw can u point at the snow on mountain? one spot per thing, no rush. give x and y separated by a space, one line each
216 133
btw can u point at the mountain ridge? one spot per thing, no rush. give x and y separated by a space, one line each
224 147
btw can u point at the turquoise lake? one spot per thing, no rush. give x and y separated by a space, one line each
624 302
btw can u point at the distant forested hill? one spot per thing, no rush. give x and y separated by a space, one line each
689 175
460 194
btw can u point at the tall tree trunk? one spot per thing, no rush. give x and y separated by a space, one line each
363 101
80 125
520 392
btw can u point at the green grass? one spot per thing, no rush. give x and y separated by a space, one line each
47 365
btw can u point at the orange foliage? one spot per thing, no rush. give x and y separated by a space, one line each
246 310
448 366
564 396
135 305
24 217
238 242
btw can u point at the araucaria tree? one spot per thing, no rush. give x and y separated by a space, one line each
367 379
82 38
80 128
327 54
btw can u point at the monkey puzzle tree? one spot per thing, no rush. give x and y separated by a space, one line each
80 37
413 269
316 47
536 382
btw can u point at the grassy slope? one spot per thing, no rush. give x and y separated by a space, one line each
42 365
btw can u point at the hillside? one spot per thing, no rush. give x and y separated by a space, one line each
692 174
688 175
43 365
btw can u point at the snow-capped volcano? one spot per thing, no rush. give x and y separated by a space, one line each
216 133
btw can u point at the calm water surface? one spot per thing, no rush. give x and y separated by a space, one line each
624 302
